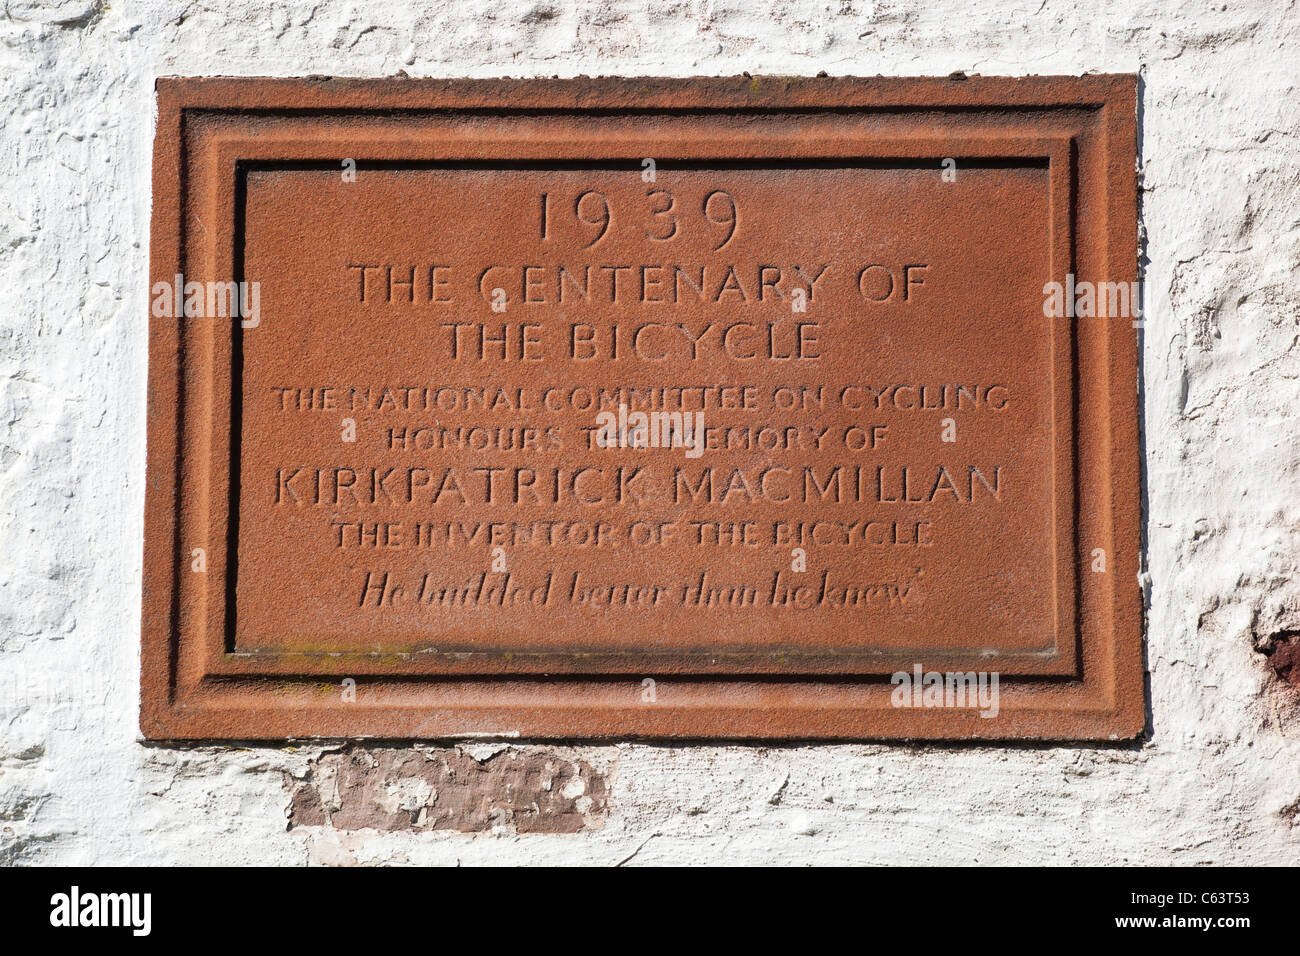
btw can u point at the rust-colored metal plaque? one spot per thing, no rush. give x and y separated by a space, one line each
741 408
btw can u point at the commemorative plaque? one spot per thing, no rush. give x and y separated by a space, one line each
739 408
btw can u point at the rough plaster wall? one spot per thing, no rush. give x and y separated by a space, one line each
1218 780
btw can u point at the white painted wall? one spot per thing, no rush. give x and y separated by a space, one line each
1221 162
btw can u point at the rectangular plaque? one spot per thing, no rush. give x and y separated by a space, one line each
728 408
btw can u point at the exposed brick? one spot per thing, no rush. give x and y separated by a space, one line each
523 791
1285 657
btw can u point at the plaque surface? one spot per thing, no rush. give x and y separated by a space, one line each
729 408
